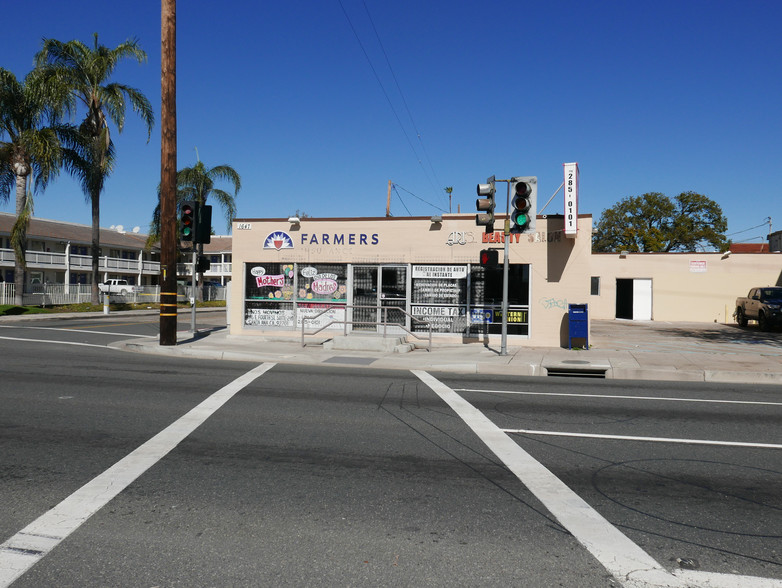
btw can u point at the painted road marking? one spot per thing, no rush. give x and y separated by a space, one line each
701 579
36 540
648 439
55 342
620 397
82 330
625 560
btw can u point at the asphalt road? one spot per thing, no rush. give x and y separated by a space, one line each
347 476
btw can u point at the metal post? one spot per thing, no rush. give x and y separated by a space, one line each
193 292
506 239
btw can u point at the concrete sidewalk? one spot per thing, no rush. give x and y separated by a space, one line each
694 352
697 352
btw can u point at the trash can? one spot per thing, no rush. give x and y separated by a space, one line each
578 324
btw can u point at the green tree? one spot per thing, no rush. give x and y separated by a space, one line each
85 72
654 222
29 144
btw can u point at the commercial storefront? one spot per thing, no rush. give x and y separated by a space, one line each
420 272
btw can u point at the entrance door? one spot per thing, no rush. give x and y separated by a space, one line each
634 299
365 281
376 288
642 299
393 294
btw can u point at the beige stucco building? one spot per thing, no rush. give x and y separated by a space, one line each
286 273
700 287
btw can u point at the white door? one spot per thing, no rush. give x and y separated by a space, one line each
642 299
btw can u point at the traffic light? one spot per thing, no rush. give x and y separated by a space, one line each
203 264
489 258
187 220
524 203
203 230
485 205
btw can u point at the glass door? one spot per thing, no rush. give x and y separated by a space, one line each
376 288
393 294
365 297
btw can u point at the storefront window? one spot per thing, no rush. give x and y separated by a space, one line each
319 288
486 300
322 283
439 297
285 295
268 295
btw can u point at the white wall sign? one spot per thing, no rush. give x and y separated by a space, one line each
571 198
442 272
698 266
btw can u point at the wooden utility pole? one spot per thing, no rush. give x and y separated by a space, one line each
168 236
388 200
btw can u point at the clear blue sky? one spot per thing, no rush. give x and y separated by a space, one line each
667 96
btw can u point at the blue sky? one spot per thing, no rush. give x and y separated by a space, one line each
665 97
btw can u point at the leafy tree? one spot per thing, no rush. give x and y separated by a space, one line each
28 145
654 222
84 72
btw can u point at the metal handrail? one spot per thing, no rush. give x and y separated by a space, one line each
346 322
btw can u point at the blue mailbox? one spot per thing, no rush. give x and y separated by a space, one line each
578 324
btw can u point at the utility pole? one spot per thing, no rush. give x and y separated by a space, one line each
168 294
388 200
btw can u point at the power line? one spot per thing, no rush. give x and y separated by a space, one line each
385 93
750 229
417 197
404 100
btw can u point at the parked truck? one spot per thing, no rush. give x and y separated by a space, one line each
115 286
761 304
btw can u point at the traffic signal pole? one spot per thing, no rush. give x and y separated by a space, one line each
505 271
195 294
522 220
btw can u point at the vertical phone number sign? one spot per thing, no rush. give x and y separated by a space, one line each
571 199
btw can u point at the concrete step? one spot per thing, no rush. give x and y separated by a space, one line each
369 342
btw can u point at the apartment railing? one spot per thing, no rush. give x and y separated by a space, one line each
216 269
58 261
60 294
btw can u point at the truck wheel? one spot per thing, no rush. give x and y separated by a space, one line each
741 318
123 292
762 322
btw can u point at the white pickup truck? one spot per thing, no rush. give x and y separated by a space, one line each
121 287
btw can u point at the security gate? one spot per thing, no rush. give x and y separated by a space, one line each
380 287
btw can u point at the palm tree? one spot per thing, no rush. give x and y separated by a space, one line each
449 190
31 148
198 183
84 72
